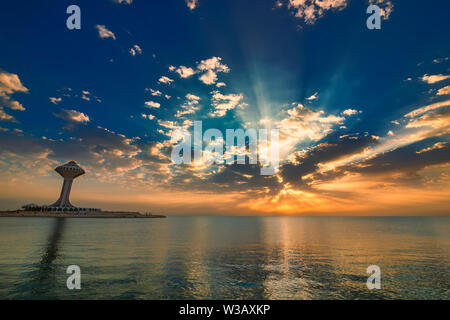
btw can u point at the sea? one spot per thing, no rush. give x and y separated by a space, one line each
225 258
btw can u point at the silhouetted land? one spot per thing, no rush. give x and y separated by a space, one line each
101 214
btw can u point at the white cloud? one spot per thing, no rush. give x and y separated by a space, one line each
222 103
192 97
350 112
10 84
184 72
174 126
210 77
313 97
152 104
73 116
190 106
165 80
427 108
434 78
437 145
135 50
221 84
210 67
86 95
155 93
303 124
312 10
213 63
123 1
55 100
443 91
104 33
148 116
192 4
6 117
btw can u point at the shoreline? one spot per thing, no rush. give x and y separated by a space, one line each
98 215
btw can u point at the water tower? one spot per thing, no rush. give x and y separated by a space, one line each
68 171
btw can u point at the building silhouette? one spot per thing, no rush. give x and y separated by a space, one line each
69 172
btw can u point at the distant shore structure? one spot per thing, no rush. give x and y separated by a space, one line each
62 208
69 172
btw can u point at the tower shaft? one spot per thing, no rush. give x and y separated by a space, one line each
63 200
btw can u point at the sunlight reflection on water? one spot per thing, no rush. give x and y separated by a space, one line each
225 258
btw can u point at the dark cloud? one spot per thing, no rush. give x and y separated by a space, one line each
307 162
406 160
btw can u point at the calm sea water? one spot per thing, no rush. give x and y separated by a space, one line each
225 258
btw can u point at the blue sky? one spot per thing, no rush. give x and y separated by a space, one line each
97 95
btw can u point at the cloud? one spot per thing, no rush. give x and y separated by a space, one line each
192 4
155 93
213 63
311 10
152 104
350 112
106 155
104 33
6 117
87 96
222 103
55 100
72 116
209 69
440 60
404 160
148 116
301 124
210 77
313 97
306 162
184 72
123 1
135 50
171 126
10 84
443 91
437 145
386 7
165 80
221 84
427 108
190 106
434 78
439 119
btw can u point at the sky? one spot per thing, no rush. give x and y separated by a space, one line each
363 115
